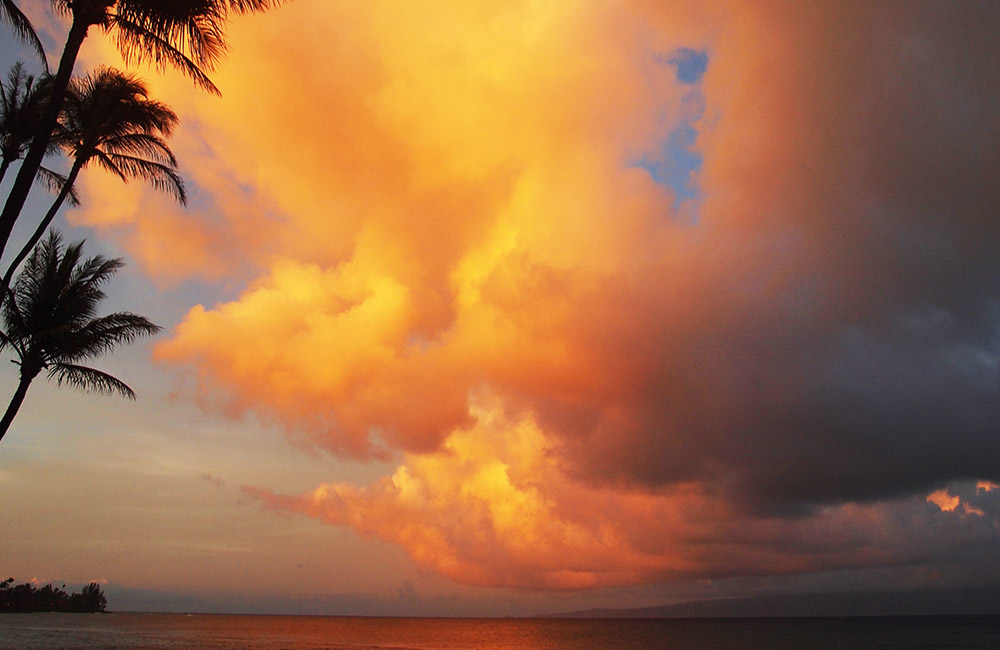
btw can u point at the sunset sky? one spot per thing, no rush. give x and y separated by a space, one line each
532 306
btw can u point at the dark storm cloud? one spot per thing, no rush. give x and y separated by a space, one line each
849 349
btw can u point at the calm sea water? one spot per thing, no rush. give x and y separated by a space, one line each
214 632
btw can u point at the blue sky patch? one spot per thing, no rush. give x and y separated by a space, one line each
691 64
675 162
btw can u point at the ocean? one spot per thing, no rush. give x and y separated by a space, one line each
133 631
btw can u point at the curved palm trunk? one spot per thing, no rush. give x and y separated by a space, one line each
15 404
36 152
3 168
40 230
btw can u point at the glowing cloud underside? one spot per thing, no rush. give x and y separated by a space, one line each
942 499
493 507
458 259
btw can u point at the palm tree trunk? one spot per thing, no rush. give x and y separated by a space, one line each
15 404
36 152
3 168
40 230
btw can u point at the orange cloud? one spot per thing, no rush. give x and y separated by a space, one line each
960 504
493 507
496 506
149 225
942 499
986 486
442 201
972 510
435 212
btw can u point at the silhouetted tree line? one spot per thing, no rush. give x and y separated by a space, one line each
26 598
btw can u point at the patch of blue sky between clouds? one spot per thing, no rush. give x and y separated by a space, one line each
691 65
675 161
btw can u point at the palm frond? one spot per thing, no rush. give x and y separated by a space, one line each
161 177
138 113
15 88
49 291
138 44
65 265
101 335
83 290
105 161
17 330
192 26
62 7
22 27
111 121
82 286
141 144
95 271
89 379
187 34
22 100
253 6
54 181
34 284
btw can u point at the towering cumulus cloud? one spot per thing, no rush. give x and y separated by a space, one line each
465 259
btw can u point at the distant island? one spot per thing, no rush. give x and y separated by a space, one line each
26 598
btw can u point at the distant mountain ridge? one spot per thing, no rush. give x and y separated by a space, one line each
942 602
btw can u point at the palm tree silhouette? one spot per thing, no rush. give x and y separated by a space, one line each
186 34
108 118
22 99
50 323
